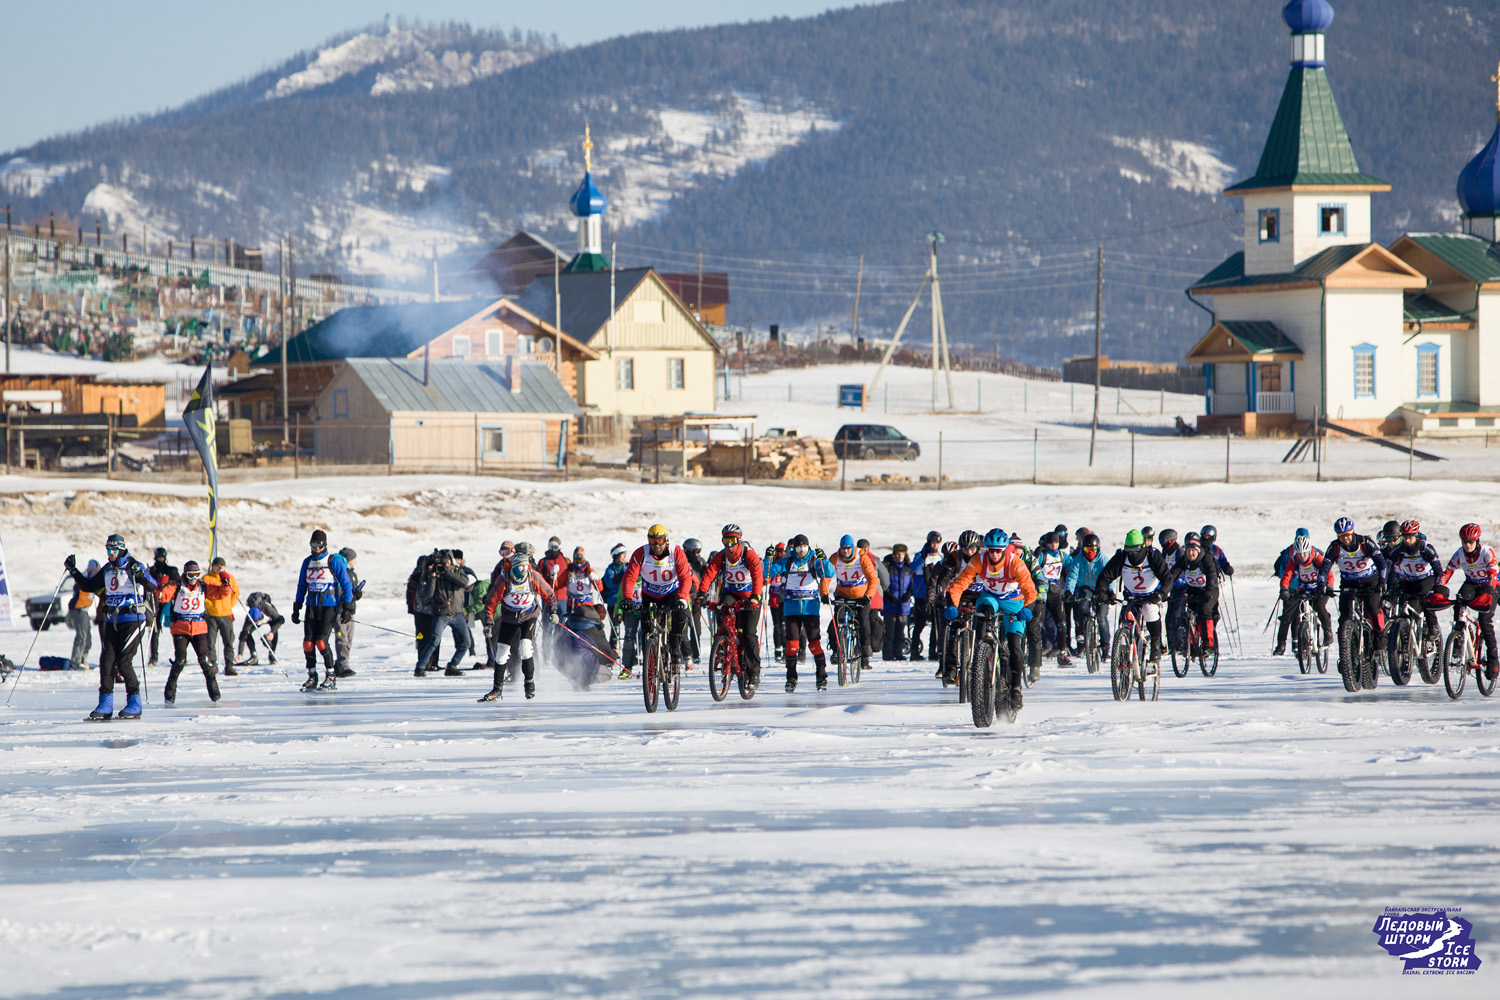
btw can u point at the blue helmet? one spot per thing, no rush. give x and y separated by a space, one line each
847 542
996 539
1343 526
1303 533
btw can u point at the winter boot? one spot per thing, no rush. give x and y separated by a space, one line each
530 690
495 694
330 682
791 684
105 711
211 679
1280 649
419 672
453 671
132 709
349 671
229 670
1034 673
312 681
170 694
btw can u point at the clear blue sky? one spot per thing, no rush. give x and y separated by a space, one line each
68 65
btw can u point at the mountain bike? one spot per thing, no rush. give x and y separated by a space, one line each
1089 639
1128 660
1193 639
959 638
658 675
1308 640
991 670
724 656
1406 642
1461 655
848 640
1357 642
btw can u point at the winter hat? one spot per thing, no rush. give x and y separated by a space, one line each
348 554
318 536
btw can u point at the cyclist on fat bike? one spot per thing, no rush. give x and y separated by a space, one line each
1005 586
1084 567
742 579
1481 573
968 546
938 577
666 582
1413 573
805 577
856 579
1198 572
1362 572
1141 572
1308 576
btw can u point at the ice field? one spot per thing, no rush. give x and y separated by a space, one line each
397 840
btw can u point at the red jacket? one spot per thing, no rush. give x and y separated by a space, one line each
497 594
584 573
750 577
552 568
671 576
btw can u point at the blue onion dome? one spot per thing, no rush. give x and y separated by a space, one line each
1307 15
588 199
1479 182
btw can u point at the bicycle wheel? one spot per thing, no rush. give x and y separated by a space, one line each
1428 666
1149 684
1181 660
671 684
982 694
719 666
1005 686
840 648
1121 652
1349 654
964 661
1303 642
1208 656
857 662
1455 663
1091 645
1369 669
747 685
650 689
1320 651
1400 650
1484 684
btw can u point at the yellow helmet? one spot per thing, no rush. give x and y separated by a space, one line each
657 531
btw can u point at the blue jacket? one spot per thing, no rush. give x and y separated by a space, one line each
125 600
1081 572
323 584
899 595
818 569
922 563
611 581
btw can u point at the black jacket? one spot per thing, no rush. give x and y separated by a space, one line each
446 592
1117 565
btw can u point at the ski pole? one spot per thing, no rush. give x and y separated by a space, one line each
1272 616
589 644
48 614
1234 608
409 635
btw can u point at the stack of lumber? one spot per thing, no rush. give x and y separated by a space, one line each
787 457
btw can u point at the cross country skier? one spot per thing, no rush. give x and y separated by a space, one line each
323 584
125 583
186 601
519 597
805 577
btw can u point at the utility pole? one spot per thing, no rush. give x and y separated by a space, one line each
859 281
942 322
610 328
1098 352
699 303
285 248
557 308
8 310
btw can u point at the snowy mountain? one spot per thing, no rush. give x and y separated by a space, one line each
785 150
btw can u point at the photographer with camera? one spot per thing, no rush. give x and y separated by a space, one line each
445 589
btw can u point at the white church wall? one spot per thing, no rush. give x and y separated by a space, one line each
1355 318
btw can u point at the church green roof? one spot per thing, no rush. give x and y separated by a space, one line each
1308 144
587 263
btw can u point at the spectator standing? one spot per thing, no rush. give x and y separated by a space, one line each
81 621
222 590
343 636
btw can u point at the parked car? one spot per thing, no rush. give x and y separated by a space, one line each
874 441
36 610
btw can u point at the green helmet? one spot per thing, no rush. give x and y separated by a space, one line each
1134 538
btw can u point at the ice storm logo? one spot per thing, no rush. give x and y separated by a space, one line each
1428 942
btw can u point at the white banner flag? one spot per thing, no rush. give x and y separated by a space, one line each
7 601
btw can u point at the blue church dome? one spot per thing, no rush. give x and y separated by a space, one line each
588 199
1479 182
1307 15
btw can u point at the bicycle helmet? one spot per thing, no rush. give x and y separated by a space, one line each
1167 536
1209 534
950 548
1343 526
934 537
969 540
658 531
1302 546
1133 539
1147 534
996 539
1090 541
1412 527
1391 531
1191 538
161 552
1470 532
1193 543
618 550
731 529
692 545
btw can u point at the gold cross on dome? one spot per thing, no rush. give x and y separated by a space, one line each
588 149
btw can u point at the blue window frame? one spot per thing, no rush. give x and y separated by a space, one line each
1428 380
492 440
340 403
1364 371
1270 225
1333 220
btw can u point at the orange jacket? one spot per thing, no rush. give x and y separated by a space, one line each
1010 579
223 590
861 565
192 624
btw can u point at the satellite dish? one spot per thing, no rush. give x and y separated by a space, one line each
544 345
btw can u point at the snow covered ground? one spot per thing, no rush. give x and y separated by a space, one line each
398 840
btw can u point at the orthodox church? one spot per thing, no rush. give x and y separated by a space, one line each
1312 320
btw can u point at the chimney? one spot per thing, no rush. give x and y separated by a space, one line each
515 373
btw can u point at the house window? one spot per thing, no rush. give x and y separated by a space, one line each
492 440
340 403
625 373
675 376
461 346
1427 370
1484 421
525 343
1332 220
1270 377
1447 421
1270 225
1364 370
494 343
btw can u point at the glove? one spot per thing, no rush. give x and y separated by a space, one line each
824 598
770 552
553 618
346 615
1443 591
1229 571
950 613
70 564
820 555
136 572
296 614
489 625
1286 595
1109 597
1024 615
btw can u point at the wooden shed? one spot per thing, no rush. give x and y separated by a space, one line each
146 401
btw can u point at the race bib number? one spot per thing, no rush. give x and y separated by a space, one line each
737 578
659 575
1355 565
189 603
520 600
849 574
319 577
800 585
580 590
1139 580
1195 578
999 584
